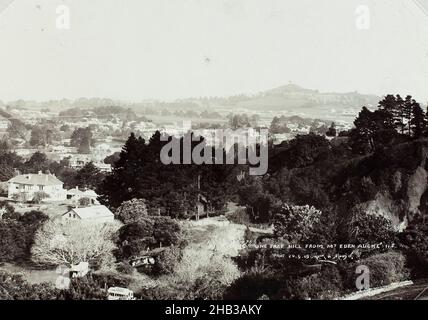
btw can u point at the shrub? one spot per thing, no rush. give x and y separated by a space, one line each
365 228
167 260
258 283
110 279
132 211
198 276
7 211
252 285
414 243
84 202
324 285
39 197
125 268
85 288
384 268
14 287
296 223
148 233
239 216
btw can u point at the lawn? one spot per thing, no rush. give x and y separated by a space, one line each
32 275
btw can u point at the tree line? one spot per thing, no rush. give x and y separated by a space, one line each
395 120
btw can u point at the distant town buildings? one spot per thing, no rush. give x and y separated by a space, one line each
4 123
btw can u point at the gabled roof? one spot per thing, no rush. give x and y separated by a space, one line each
74 192
90 193
93 212
36 179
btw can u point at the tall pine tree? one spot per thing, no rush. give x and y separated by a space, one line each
418 121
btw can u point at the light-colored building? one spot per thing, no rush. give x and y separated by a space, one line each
4 123
76 194
26 185
79 270
117 293
93 214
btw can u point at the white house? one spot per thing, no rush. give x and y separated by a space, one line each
76 194
4 123
27 185
93 214
79 270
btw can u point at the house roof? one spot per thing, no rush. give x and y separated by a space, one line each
93 212
82 266
36 179
90 193
74 192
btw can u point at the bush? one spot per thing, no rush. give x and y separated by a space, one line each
111 279
84 202
125 268
132 211
167 260
384 268
324 285
14 287
146 234
414 243
39 197
198 276
252 285
296 223
259 283
17 237
7 211
85 288
239 216
364 228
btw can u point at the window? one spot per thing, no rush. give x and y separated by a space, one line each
40 188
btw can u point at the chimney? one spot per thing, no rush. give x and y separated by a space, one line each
40 171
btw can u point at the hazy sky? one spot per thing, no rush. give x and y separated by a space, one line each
166 49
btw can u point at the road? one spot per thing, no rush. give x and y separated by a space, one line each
417 291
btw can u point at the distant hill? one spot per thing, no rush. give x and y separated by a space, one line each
292 99
289 99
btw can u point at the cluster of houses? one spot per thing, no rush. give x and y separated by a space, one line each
27 186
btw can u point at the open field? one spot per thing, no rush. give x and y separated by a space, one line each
52 209
33 276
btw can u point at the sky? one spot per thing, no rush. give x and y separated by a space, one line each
169 49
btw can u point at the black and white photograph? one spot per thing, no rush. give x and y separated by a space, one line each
213 150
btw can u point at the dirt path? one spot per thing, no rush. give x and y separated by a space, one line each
417 291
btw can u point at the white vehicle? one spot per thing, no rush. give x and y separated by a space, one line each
117 293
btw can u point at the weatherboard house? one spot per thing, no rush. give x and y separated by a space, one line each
27 185
92 214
